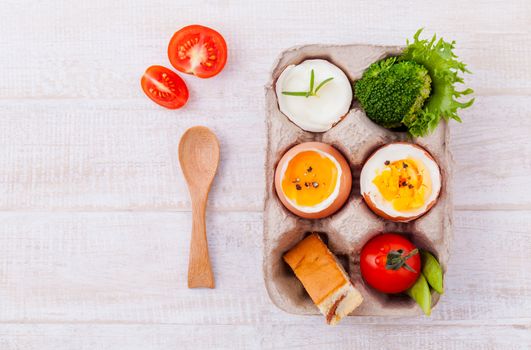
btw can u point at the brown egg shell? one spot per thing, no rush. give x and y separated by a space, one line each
383 214
345 181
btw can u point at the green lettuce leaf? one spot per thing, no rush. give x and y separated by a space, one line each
444 68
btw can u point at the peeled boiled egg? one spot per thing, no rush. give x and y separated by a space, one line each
314 104
400 181
313 180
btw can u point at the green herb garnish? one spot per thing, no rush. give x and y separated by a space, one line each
311 91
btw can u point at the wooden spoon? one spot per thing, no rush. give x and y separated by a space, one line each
199 158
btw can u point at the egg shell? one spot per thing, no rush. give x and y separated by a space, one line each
345 180
385 215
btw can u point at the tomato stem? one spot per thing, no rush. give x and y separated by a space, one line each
396 259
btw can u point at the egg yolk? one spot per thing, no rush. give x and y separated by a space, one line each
310 178
405 183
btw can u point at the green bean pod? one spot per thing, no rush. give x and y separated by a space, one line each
432 271
420 292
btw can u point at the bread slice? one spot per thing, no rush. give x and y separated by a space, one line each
324 278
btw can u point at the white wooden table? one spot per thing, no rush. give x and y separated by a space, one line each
95 216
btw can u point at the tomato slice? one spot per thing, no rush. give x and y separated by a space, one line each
164 87
198 50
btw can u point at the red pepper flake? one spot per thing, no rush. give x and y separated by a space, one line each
298 187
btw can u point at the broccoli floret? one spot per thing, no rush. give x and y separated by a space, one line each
391 91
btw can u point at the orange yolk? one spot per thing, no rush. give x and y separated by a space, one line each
405 183
310 178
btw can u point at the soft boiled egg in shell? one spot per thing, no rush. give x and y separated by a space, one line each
400 181
314 113
313 180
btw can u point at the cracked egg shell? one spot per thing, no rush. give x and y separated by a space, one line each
313 180
400 181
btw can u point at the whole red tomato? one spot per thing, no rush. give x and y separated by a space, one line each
390 263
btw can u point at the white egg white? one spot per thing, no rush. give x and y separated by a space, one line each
394 152
328 201
314 113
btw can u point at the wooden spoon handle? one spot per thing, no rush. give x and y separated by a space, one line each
200 273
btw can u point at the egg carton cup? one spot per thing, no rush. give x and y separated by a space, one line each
346 231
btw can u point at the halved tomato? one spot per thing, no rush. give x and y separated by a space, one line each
164 87
198 50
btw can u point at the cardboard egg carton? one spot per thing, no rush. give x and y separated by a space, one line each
346 231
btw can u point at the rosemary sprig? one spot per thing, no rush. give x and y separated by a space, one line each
289 93
322 84
312 80
311 91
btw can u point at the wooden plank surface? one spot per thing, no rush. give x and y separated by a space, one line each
130 337
99 49
94 210
112 155
131 268
159 337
